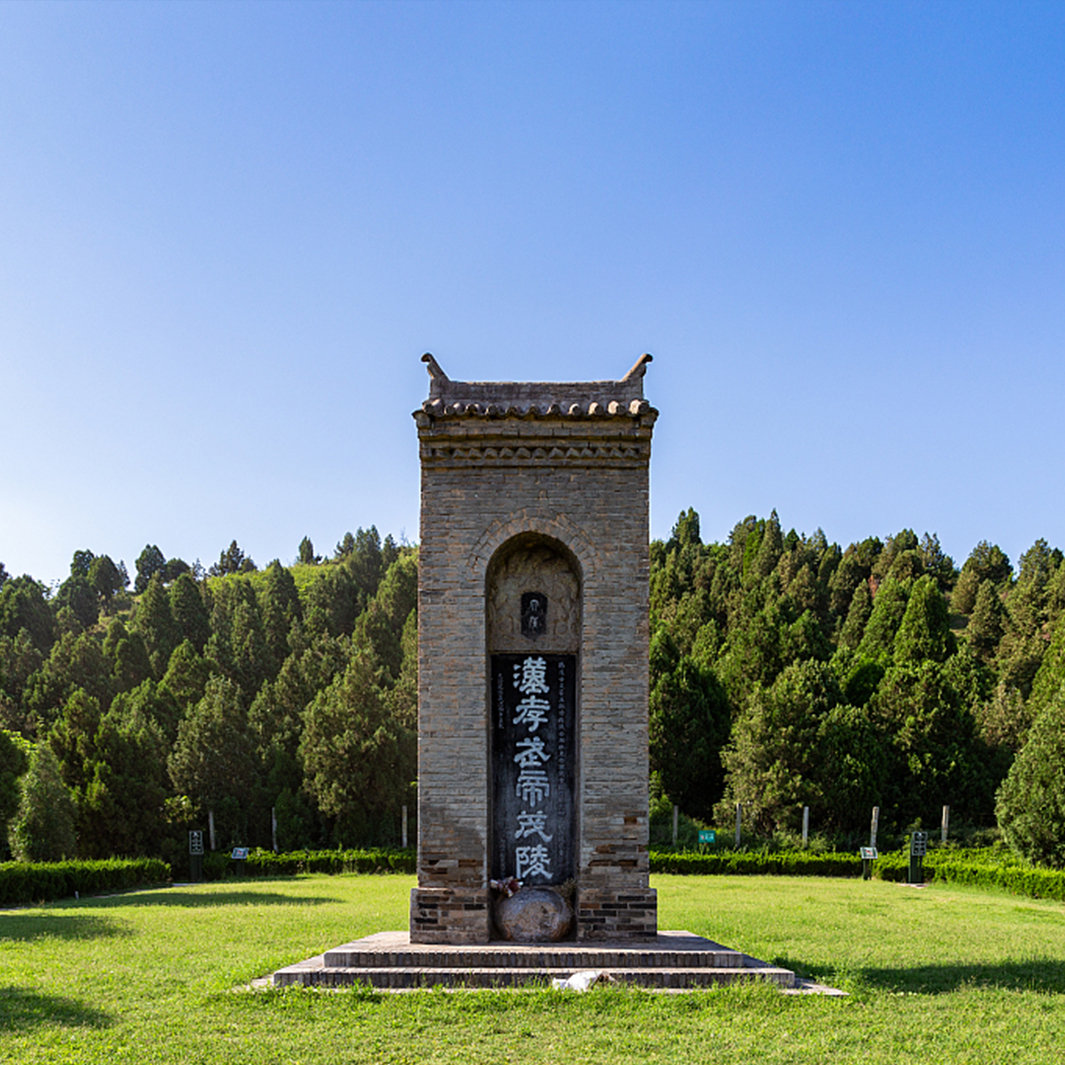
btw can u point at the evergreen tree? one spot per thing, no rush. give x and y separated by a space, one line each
281 608
122 806
306 553
889 608
988 622
23 606
963 598
381 625
107 579
189 611
213 760
359 759
79 596
924 633
149 562
1030 805
345 547
853 766
155 624
861 607
232 560
689 724
935 756
14 761
773 760
186 677
81 563
43 828
127 655
770 549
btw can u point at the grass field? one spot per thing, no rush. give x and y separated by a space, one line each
938 974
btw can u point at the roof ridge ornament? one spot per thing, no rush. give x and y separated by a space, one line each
434 367
639 368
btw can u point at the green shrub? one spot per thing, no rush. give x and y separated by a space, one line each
374 860
23 883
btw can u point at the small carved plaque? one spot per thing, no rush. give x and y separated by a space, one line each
533 614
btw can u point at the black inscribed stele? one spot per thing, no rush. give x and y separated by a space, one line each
533 767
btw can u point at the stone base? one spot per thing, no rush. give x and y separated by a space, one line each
617 915
449 915
668 961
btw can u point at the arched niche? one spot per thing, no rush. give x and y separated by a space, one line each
531 565
533 636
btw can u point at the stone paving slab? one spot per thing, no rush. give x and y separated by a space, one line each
672 960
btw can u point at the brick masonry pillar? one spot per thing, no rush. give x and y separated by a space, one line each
565 463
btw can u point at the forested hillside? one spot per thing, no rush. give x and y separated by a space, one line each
237 690
785 671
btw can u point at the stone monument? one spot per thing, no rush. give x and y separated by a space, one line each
533 633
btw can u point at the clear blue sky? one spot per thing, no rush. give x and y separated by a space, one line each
228 232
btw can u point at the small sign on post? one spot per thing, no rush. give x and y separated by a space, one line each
196 856
918 849
868 856
240 854
707 835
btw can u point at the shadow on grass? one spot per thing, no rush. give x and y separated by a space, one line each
208 899
1044 975
22 1008
25 927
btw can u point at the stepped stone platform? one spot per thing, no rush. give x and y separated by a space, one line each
672 960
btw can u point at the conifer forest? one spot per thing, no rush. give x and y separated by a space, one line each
785 671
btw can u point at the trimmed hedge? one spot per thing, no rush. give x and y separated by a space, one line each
23 883
758 863
983 867
375 860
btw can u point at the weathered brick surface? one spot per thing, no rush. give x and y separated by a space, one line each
572 470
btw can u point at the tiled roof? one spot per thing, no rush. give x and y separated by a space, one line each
536 399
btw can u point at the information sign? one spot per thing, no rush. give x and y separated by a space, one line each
919 844
239 854
196 842
868 853
707 835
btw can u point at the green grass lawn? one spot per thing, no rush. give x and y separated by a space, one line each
939 974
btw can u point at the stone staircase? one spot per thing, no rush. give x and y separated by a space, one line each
671 961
